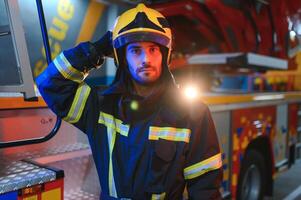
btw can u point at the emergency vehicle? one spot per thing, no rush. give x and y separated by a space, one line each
240 57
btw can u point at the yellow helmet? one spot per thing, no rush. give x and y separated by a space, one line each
141 24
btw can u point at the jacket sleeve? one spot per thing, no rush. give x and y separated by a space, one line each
63 88
203 168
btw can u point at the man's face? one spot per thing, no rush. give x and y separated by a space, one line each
145 61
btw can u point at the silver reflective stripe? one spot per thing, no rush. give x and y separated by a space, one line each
203 167
169 133
78 103
107 120
158 196
66 69
114 123
111 141
123 129
113 126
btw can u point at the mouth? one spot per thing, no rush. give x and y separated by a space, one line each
146 69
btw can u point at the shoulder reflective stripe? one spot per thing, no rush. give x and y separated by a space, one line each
111 141
169 133
65 68
113 123
158 196
78 103
203 167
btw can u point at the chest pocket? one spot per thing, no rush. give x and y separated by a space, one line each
165 150
163 156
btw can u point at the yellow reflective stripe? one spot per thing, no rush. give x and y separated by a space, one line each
66 69
158 196
111 141
78 103
113 123
107 120
169 133
123 129
203 167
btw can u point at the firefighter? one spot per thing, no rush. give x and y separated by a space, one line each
146 141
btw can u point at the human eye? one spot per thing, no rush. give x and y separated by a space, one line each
135 51
154 49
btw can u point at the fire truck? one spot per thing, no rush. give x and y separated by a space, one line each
240 57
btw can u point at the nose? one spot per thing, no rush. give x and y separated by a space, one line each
145 58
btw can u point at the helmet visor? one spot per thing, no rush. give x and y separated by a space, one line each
141 37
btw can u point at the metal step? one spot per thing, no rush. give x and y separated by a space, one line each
81 179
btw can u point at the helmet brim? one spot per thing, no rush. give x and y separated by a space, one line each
141 37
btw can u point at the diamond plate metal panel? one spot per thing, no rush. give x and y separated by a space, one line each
22 175
15 167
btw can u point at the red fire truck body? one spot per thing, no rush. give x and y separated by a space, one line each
265 116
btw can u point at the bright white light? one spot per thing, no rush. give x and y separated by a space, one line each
292 35
191 92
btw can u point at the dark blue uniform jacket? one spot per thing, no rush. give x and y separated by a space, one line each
143 149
